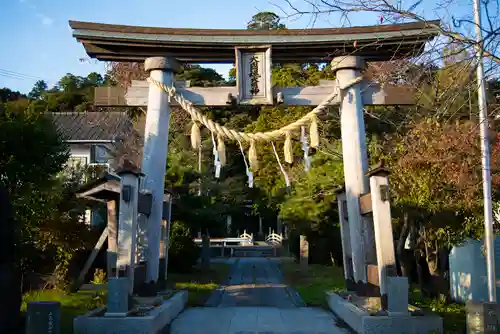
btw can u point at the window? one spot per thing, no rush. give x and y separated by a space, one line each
99 154
76 162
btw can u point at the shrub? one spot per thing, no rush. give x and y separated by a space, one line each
183 251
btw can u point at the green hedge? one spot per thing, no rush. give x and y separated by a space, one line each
183 252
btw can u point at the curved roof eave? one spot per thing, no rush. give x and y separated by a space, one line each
128 43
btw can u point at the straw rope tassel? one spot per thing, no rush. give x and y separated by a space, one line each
313 132
195 136
252 156
221 147
288 148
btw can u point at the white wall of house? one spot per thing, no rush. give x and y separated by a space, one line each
82 153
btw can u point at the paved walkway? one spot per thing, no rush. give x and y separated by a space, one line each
254 301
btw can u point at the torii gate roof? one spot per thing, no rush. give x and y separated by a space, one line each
134 43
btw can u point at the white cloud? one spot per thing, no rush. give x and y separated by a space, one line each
45 19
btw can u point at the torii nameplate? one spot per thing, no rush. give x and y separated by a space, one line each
254 75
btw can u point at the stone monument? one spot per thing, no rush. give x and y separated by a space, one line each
483 317
43 318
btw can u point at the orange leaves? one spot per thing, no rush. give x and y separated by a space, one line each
443 159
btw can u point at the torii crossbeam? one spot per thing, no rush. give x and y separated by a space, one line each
253 53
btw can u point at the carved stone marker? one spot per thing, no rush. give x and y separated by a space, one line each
43 318
118 288
397 295
483 317
304 251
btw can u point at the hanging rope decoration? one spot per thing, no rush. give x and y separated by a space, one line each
252 156
287 179
222 132
288 148
305 148
221 148
248 169
313 132
215 152
195 136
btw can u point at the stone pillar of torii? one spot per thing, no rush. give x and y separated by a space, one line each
154 161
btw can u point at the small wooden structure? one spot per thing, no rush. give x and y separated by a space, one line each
107 189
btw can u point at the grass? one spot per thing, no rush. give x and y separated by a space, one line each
453 314
72 304
199 283
312 282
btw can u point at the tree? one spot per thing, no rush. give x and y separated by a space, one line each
38 90
201 76
265 21
7 95
29 175
457 29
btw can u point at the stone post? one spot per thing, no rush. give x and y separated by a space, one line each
303 252
112 235
260 226
344 234
205 252
279 224
155 153
127 226
384 241
228 224
117 303
354 155
167 236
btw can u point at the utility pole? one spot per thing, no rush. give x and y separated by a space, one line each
489 237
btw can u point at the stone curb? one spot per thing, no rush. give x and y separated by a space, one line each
152 323
362 322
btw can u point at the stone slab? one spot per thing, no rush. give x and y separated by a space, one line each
255 282
153 323
268 320
118 288
397 294
363 323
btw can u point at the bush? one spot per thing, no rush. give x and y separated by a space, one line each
183 251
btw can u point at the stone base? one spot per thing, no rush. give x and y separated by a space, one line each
152 323
362 322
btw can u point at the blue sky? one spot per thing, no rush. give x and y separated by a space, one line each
37 42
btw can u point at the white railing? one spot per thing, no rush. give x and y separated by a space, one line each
248 237
274 238
244 240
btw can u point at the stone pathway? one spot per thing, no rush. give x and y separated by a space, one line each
254 301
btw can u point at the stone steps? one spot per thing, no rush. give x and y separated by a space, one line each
259 251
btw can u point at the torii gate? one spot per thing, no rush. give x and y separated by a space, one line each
253 52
